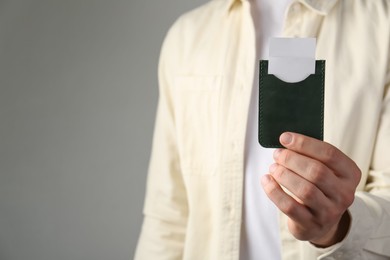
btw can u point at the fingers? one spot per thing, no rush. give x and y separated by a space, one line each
323 152
307 193
305 223
309 169
284 202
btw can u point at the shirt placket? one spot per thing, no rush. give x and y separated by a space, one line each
236 130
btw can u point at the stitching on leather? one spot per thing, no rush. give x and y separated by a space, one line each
261 86
322 97
261 101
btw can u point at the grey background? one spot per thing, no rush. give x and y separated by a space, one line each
78 93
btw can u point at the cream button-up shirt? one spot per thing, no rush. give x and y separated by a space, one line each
193 203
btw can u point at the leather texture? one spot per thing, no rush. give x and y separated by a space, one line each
294 107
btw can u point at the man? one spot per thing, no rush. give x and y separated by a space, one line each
338 201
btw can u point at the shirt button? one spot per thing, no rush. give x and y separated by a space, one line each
296 7
231 213
228 208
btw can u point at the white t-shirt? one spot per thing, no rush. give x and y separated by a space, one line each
260 229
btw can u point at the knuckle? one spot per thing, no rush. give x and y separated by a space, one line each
288 208
348 198
345 198
299 143
317 172
357 174
308 192
270 189
330 154
280 172
286 156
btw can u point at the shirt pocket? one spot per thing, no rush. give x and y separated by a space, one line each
196 109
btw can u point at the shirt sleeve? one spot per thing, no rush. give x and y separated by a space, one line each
369 233
165 209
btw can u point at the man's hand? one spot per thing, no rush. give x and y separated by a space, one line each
322 182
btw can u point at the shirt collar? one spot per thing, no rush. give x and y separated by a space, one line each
320 6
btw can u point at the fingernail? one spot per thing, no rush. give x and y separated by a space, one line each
272 168
286 138
277 153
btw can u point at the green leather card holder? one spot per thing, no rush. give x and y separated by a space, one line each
294 107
